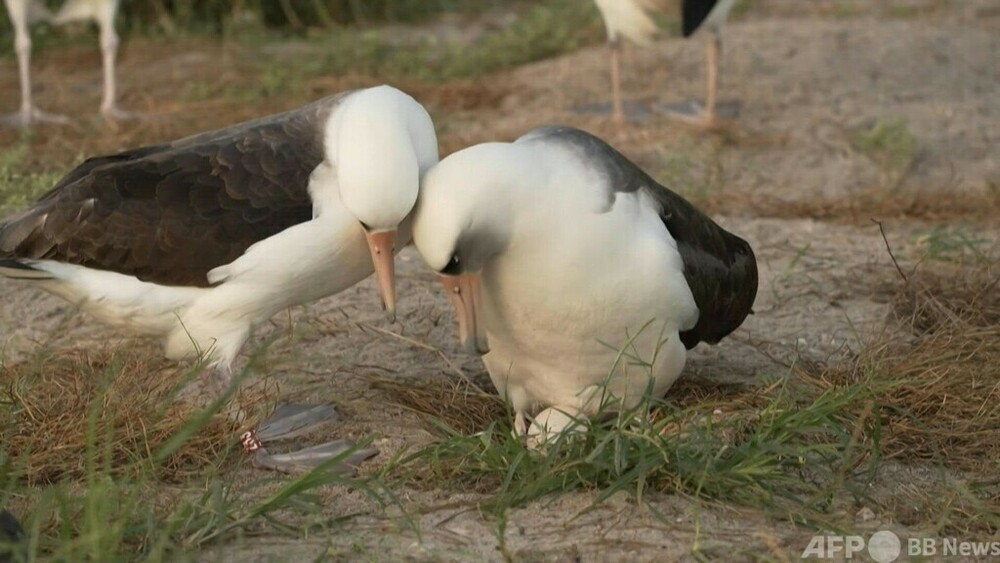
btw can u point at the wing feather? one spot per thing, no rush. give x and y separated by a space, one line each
170 213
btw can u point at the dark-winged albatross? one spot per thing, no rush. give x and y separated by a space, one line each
631 19
197 240
558 252
24 12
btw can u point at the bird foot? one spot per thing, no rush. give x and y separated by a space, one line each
696 115
31 117
293 421
114 113
632 112
552 424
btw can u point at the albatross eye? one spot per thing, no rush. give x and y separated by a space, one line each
454 266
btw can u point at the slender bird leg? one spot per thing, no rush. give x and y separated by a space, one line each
22 45
109 54
520 425
706 117
617 106
713 50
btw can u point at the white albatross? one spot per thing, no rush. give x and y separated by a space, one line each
102 12
558 252
197 240
631 19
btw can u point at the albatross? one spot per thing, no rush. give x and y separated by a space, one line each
198 240
559 254
102 12
631 19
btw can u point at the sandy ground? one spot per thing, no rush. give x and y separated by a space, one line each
784 175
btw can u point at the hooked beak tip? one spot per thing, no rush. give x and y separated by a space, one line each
474 348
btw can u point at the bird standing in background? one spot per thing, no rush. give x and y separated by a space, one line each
24 12
567 266
198 240
631 19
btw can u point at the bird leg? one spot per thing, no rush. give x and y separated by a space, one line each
109 54
713 50
22 45
705 115
520 425
617 106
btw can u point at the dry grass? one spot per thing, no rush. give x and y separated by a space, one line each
119 405
946 407
455 403
860 207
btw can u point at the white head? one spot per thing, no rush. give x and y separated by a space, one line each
463 216
463 220
381 141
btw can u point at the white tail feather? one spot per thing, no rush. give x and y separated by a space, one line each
629 18
25 272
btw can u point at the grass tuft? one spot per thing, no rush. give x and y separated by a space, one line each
18 187
101 462
888 142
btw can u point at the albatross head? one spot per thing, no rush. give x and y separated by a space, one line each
382 140
462 221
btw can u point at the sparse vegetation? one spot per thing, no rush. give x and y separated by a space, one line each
17 187
113 467
889 142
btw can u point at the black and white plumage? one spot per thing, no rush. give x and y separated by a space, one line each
558 251
102 12
631 19
198 240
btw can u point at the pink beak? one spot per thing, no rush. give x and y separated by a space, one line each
463 291
381 246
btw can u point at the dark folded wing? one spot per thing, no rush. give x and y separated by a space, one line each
693 13
170 213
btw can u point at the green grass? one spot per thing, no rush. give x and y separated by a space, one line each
540 30
888 142
543 29
19 188
792 459
127 508
213 16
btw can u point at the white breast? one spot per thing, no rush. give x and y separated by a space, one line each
573 290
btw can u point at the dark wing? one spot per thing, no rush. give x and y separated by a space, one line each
720 267
693 13
170 213
618 169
